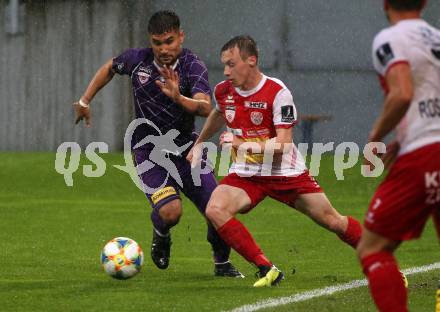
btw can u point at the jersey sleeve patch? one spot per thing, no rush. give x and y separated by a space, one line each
125 63
389 47
385 54
284 110
287 113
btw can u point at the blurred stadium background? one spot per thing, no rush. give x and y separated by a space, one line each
50 49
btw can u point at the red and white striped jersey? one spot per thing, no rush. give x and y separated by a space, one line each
254 115
416 43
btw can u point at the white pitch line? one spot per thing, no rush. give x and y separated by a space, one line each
307 295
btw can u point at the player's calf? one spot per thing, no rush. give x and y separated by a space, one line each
319 209
386 282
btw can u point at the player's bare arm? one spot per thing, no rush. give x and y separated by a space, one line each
397 101
101 78
199 104
213 123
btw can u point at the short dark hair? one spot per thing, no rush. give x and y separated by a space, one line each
162 22
406 5
245 44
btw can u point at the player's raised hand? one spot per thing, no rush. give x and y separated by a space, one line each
190 155
82 111
170 85
195 155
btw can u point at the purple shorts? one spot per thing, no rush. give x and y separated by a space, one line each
165 188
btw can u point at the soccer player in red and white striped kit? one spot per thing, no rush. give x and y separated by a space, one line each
406 56
259 110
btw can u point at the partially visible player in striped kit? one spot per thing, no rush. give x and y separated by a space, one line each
406 56
259 109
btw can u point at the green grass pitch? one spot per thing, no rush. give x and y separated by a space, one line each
51 237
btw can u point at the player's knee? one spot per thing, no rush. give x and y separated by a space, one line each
214 210
171 213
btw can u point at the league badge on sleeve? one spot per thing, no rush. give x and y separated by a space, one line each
385 54
287 113
120 66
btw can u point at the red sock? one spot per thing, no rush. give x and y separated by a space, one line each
385 281
353 232
238 237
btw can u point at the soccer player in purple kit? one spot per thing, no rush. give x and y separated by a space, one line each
170 87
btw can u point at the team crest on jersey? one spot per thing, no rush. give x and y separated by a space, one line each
143 75
257 118
230 113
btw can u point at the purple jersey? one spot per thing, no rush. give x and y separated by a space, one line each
151 103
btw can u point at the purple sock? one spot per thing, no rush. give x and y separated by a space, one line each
158 223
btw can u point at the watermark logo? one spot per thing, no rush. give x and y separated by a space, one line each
249 158
159 155
75 155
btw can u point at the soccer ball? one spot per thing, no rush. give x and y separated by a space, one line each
122 258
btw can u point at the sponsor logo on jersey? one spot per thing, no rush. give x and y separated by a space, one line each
238 132
260 105
432 185
258 133
263 132
432 179
251 133
257 118
230 99
287 113
145 69
385 54
230 113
